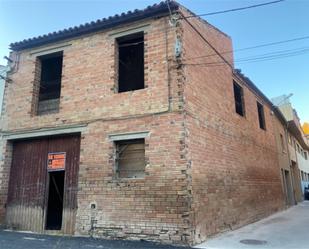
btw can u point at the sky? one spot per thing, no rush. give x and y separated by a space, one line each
272 23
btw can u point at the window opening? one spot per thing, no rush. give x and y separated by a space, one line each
239 99
130 158
131 62
50 83
261 115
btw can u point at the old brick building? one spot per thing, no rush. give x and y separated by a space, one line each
136 126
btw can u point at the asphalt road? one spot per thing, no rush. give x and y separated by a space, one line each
15 240
283 230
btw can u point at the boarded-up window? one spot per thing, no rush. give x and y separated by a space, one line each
130 158
239 99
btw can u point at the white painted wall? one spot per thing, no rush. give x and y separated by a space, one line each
303 165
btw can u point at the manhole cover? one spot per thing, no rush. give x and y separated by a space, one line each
253 242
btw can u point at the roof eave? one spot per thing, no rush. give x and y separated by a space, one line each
155 11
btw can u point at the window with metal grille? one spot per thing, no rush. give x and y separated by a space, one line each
239 99
261 115
130 158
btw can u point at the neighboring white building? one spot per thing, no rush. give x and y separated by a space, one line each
297 138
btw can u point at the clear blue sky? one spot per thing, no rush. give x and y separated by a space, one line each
282 21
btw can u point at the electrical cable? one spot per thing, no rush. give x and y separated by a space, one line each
232 10
209 44
254 59
252 47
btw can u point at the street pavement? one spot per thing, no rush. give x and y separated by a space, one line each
16 240
284 230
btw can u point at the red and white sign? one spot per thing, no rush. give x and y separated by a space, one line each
56 161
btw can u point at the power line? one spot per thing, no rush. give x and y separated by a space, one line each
252 47
208 43
257 59
235 9
277 53
271 56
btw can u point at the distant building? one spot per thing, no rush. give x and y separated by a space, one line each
298 143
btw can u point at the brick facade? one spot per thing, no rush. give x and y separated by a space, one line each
234 163
207 168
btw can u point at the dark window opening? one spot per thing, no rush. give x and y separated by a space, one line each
131 62
55 200
239 99
261 115
130 158
50 83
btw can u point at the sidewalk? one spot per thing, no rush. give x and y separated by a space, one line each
285 230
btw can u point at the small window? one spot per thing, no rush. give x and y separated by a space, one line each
130 158
50 83
261 115
239 99
130 62
282 143
306 155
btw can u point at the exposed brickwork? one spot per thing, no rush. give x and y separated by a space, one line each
235 170
153 208
88 81
208 169
5 165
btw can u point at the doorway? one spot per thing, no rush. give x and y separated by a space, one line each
55 200
289 190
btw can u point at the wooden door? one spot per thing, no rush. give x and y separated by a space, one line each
28 185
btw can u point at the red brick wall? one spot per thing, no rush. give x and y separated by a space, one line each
5 165
208 168
155 207
89 78
234 164
151 208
